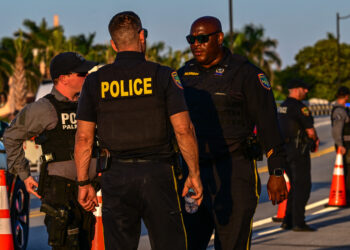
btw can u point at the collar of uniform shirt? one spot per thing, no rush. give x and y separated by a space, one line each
127 55
59 96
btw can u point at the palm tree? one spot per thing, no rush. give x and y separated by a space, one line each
46 42
23 76
258 49
173 59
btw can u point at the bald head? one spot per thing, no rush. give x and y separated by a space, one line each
210 22
206 40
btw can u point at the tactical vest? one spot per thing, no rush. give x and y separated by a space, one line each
346 128
131 113
60 141
218 109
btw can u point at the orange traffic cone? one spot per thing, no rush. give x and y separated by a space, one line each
5 221
337 195
282 207
98 241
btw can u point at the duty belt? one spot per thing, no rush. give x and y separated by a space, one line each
131 160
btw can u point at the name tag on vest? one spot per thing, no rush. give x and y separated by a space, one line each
68 121
128 88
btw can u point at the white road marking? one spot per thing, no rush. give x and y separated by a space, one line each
322 124
312 216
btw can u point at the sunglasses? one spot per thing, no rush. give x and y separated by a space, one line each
145 32
82 74
200 38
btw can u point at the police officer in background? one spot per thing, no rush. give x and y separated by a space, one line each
52 119
227 96
135 104
341 132
300 137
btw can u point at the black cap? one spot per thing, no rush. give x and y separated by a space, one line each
69 62
297 83
343 91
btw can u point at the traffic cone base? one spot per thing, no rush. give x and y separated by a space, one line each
6 239
337 194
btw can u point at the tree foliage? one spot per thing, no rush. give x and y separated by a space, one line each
260 50
318 65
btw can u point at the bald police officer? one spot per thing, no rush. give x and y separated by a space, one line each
300 137
340 118
227 96
52 119
135 104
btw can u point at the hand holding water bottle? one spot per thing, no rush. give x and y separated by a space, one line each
192 193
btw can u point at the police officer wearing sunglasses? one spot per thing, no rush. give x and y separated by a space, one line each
137 105
227 96
52 120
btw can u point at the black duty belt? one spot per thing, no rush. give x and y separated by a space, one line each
131 160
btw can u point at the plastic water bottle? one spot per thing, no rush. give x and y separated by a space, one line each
191 205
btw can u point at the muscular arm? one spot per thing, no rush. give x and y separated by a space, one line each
84 139
186 138
262 110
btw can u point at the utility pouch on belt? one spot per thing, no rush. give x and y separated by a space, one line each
252 148
42 178
304 143
56 221
104 160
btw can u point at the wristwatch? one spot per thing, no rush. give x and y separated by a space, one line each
83 183
278 172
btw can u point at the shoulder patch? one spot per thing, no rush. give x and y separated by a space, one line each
305 111
264 82
176 79
189 73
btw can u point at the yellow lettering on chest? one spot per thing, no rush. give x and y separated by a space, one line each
128 88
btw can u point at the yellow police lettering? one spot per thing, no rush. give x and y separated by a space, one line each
147 85
130 88
136 90
122 92
114 89
104 88
126 88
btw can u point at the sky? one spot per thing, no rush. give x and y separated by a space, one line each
293 23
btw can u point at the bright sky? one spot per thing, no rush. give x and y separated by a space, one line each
294 23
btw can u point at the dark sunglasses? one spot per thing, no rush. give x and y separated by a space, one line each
204 38
145 32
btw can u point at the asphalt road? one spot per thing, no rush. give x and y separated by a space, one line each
333 224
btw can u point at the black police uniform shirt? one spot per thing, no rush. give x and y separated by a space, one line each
132 86
294 117
226 101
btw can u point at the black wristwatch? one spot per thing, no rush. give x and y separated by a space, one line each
84 183
278 172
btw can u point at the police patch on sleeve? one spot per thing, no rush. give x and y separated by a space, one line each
305 111
264 81
176 79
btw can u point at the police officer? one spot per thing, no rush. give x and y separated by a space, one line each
341 132
227 96
135 104
300 137
52 119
